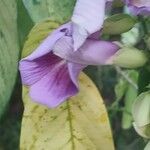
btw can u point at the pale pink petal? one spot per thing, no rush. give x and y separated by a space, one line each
92 52
139 7
88 17
47 45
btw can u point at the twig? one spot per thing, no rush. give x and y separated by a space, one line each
127 77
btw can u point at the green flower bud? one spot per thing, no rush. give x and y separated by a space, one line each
147 146
141 114
118 24
141 109
129 57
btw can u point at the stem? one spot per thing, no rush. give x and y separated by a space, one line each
127 77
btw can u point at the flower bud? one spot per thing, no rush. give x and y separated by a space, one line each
141 109
141 114
118 24
129 57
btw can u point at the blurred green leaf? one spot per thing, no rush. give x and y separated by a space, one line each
143 131
25 23
56 10
129 99
9 50
132 37
118 23
127 91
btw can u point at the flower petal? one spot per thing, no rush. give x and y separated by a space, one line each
93 52
74 70
50 80
47 45
33 71
139 6
88 18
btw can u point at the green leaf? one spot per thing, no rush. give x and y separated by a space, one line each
78 124
9 50
120 88
56 10
118 23
130 97
25 23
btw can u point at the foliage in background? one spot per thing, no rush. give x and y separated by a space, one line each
55 10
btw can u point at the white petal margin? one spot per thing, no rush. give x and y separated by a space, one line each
88 17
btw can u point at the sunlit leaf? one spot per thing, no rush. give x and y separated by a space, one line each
131 37
126 90
9 50
141 109
25 23
78 124
56 10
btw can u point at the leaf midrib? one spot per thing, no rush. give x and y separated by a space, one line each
70 126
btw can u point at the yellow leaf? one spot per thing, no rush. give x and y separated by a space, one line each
81 123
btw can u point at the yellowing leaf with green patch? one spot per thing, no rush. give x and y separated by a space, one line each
81 123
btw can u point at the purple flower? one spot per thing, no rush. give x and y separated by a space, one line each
51 71
138 7
88 17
